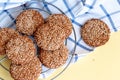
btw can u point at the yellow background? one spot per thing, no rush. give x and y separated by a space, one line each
102 64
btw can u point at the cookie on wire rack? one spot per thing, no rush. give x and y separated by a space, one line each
28 21
29 71
49 37
60 20
54 59
5 35
95 32
20 50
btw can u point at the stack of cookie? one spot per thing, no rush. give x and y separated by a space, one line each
20 49
49 35
50 38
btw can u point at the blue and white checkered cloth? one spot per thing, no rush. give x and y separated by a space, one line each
7 4
108 11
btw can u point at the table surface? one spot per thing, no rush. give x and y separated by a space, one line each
101 64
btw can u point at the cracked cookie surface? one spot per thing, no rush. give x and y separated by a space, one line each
54 59
5 35
20 50
28 21
60 20
29 71
49 37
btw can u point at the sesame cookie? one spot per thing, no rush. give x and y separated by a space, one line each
49 37
95 32
5 35
20 50
60 20
54 59
29 71
28 20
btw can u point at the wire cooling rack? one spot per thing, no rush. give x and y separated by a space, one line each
45 12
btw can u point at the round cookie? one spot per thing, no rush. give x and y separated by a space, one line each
49 37
62 21
30 71
95 32
54 59
20 50
28 21
5 35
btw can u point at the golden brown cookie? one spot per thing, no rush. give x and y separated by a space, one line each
49 37
54 59
5 35
95 32
29 71
20 50
2 47
60 20
28 21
